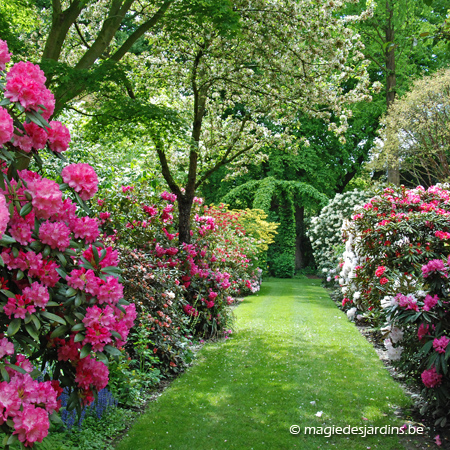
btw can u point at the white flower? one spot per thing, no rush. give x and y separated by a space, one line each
319 413
351 313
396 335
356 295
170 294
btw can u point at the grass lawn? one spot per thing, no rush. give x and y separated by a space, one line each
293 354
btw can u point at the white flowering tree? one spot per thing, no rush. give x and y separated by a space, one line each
285 57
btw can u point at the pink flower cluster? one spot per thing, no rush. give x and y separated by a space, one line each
25 83
440 345
380 270
430 378
430 302
25 401
6 126
190 310
168 196
407 301
82 178
435 265
5 56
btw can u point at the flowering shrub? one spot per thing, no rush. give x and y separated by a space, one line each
211 270
396 265
61 300
325 231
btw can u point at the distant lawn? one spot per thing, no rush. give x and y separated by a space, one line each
291 347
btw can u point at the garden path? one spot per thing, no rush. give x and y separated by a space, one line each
294 359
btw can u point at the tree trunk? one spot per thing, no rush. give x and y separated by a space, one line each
299 218
393 164
184 209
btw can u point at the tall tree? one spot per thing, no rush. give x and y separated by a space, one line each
391 37
225 87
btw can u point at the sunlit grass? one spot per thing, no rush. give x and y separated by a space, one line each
291 347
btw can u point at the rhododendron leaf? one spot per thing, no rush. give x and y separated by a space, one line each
9 156
116 334
19 275
122 301
36 322
80 337
78 300
103 254
59 331
112 270
46 252
14 327
61 273
4 373
5 102
85 351
7 293
12 439
96 256
86 264
27 318
102 357
69 320
62 258
26 209
53 317
83 204
31 330
6 240
443 364
36 246
16 368
50 304
79 316
112 350
63 187
74 244
26 340
78 327
37 119
15 252
71 292
72 401
121 308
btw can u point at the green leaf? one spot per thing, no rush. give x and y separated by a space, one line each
26 209
53 317
14 327
71 292
62 259
426 348
59 331
37 119
111 270
6 240
112 350
78 327
31 330
428 2
85 351
79 337
5 102
36 322
61 273
4 373
116 334
63 186
96 255
16 368
7 293
102 357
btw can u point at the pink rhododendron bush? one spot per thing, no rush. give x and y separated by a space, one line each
213 269
61 302
396 268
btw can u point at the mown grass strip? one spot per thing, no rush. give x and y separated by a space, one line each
291 347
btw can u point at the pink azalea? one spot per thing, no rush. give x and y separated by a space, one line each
430 378
37 135
37 294
46 197
4 215
6 347
82 178
440 345
91 373
55 234
6 126
31 425
58 136
5 56
24 142
85 228
430 302
380 270
21 228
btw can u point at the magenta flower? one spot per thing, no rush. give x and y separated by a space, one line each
31 425
430 302
430 378
440 345
55 234
5 56
82 179
47 198
6 126
58 137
